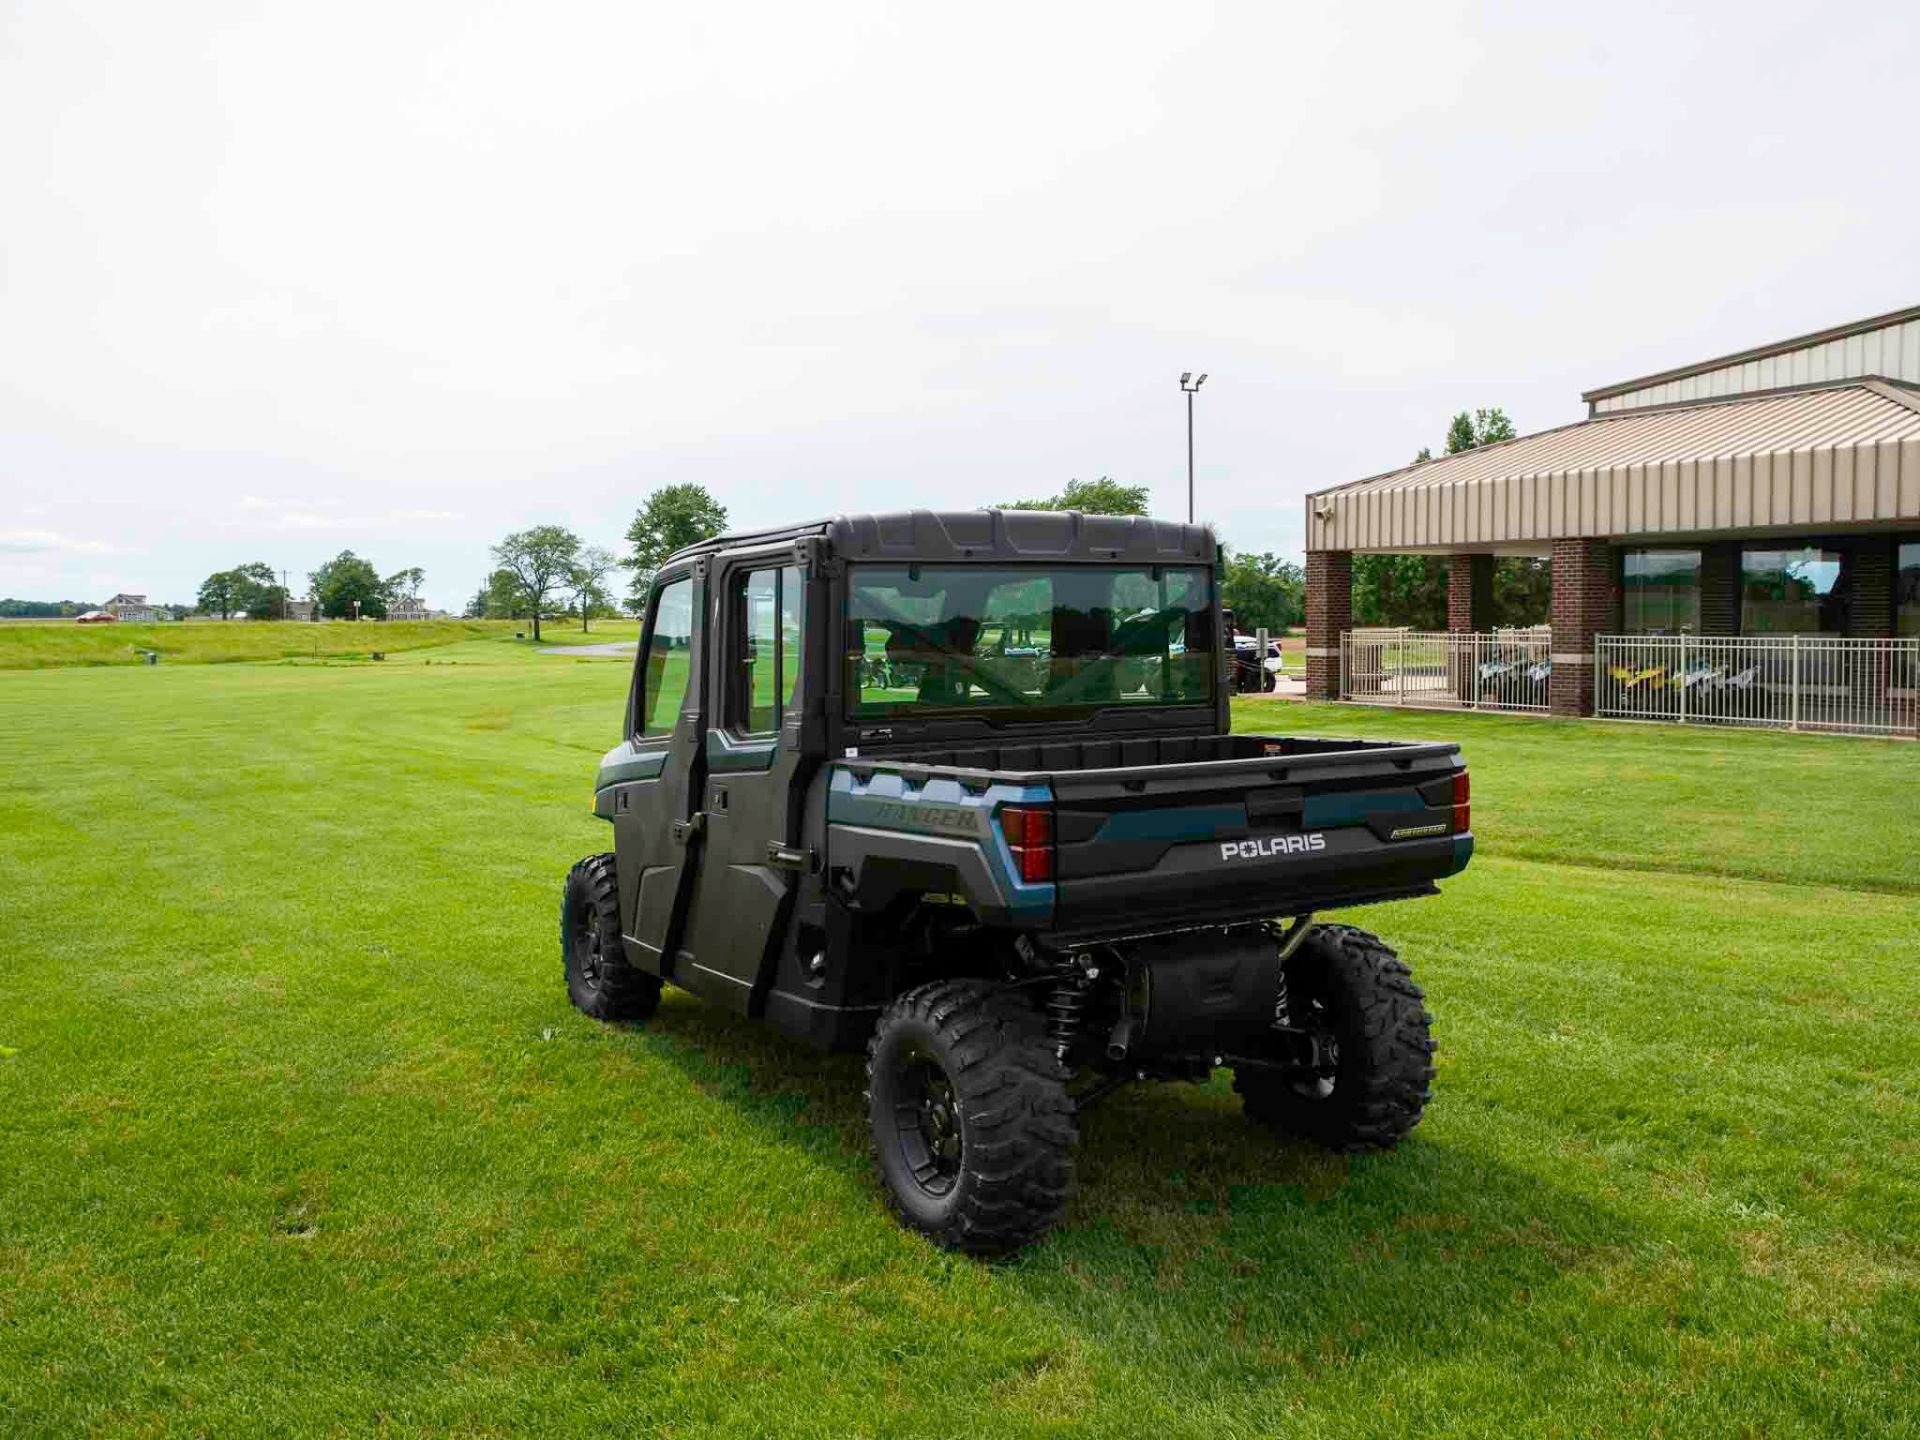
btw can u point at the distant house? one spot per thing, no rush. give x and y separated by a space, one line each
131 607
303 609
407 607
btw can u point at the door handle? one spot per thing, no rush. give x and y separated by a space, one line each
792 857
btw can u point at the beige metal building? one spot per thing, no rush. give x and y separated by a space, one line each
1745 530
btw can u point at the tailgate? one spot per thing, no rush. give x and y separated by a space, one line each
1144 847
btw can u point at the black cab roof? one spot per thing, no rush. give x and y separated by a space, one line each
1022 535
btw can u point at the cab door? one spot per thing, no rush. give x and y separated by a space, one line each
753 754
655 834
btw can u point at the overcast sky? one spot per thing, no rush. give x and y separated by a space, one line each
277 280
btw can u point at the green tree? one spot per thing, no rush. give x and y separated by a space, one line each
1522 590
1460 434
540 559
501 598
216 594
348 587
587 580
403 585
1105 496
258 592
251 589
674 517
1482 427
1263 590
1408 590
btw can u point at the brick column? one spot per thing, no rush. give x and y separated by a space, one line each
1329 612
1871 614
1720 588
1470 592
1583 586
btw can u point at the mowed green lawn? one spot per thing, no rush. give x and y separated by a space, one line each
298 1135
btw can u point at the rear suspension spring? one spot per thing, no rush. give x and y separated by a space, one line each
1067 1005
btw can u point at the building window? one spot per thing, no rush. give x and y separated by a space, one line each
1799 591
1660 591
1906 589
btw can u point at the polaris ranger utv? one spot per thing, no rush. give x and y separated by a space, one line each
959 788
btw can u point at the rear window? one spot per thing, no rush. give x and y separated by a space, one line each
976 637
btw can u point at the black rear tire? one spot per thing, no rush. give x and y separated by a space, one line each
1354 989
972 1130
600 980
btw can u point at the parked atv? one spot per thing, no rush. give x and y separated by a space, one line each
960 789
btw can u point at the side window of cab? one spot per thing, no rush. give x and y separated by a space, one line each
765 615
664 668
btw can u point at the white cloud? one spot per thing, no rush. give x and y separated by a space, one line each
45 542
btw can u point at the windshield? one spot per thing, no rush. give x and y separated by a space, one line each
977 637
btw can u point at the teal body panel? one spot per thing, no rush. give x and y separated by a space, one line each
945 809
1190 822
1462 852
1326 812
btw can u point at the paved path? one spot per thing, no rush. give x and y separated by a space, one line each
612 647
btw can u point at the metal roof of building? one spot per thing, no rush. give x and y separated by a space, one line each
1820 456
1881 345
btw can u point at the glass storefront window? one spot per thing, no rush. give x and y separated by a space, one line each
1660 591
1804 590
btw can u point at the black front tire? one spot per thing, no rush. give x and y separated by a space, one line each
600 980
972 1129
1346 984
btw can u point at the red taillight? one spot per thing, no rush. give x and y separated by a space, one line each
1029 832
1462 811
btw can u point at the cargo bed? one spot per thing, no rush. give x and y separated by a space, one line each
1158 833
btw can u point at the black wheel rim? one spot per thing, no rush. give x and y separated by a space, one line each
586 948
928 1127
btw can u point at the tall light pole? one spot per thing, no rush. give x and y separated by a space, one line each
1190 385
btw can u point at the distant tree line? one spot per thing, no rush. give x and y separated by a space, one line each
11 609
1104 496
345 588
